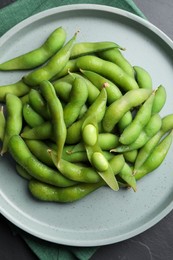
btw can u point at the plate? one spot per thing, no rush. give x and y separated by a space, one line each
103 217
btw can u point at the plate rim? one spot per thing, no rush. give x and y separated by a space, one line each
116 11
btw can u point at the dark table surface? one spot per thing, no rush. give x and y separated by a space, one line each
153 244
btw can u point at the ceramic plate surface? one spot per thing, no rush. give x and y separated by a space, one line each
103 217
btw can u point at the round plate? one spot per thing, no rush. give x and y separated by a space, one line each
104 216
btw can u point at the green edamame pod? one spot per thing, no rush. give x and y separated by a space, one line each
159 100
41 132
107 141
38 56
21 154
130 156
13 121
85 48
102 166
113 92
53 66
149 131
47 192
133 130
126 119
25 98
18 89
116 162
68 78
143 77
127 175
70 66
38 103
22 172
167 123
116 56
109 70
118 108
77 157
40 150
78 97
109 156
97 110
83 110
56 112
63 90
155 158
93 92
146 150
75 172
2 123
31 117
153 126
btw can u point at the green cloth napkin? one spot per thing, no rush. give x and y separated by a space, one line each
10 16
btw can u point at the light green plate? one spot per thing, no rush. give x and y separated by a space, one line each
104 216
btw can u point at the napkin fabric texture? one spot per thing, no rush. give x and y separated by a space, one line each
10 16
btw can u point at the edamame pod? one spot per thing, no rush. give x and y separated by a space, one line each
113 92
133 130
93 92
155 158
18 89
85 48
78 97
143 77
38 103
40 150
159 100
130 156
125 121
109 70
75 172
149 131
102 166
38 56
116 56
118 108
63 90
53 66
57 118
107 141
47 192
41 132
70 66
25 99
146 150
97 110
116 162
13 121
127 175
31 117
21 154
22 172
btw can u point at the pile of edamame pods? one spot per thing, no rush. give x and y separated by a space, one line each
82 117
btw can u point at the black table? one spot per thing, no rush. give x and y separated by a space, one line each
153 244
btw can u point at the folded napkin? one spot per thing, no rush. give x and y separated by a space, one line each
10 16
